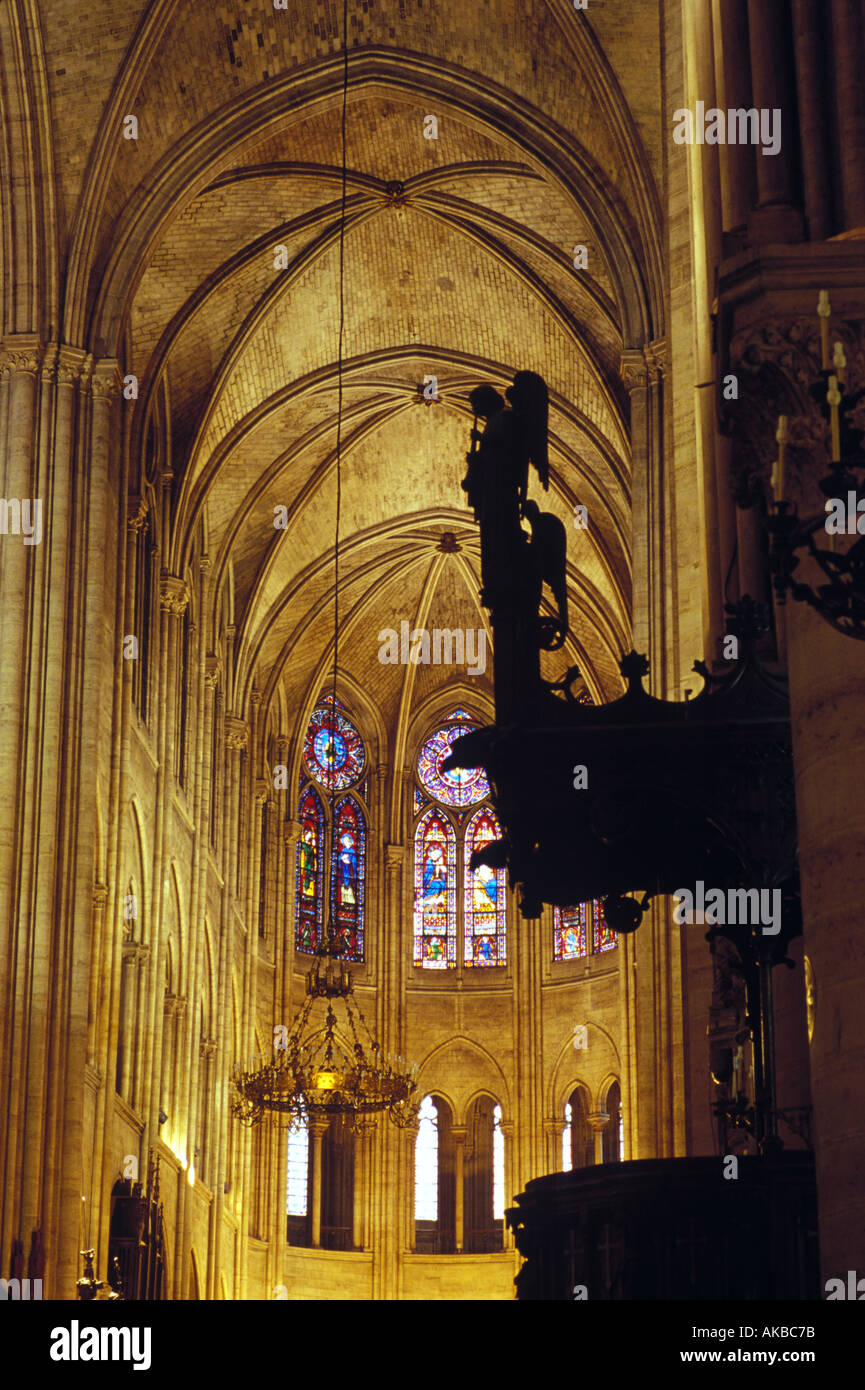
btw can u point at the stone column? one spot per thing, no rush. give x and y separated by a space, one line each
809 41
776 217
458 1134
317 1130
236 740
598 1121
100 898
173 598
848 48
507 1130
553 1134
733 92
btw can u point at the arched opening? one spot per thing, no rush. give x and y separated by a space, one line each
435 1179
578 1144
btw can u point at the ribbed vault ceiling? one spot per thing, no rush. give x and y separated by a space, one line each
469 277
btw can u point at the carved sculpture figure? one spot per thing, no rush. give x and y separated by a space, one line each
514 568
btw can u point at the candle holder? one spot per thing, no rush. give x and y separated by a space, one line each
840 601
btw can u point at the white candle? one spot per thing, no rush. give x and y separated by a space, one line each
781 437
824 309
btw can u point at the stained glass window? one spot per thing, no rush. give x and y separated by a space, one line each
333 749
310 857
435 924
460 713
347 877
603 937
460 787
485 896
569 932
579 930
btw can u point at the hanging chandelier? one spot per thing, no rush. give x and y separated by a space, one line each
315 1070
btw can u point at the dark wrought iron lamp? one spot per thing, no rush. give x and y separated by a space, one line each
841 600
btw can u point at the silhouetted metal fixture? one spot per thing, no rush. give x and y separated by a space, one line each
841 600
641 796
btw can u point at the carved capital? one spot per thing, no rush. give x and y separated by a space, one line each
291 832
205 565
394 858
136 513
173 594
260 791
175 1005
21 353
212 670
236 733
100 895
106 381
67 365
207 1047
598 1120
656 358
135 952
633 369
282 743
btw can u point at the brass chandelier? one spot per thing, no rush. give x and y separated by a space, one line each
312 1072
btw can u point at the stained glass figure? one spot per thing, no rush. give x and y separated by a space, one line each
569 933
460 787
348 877
579 930
308 888
333 749
603 937
435 930
485 896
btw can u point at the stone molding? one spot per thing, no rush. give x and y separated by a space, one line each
212 670
173 594
633 369
236 733
136 513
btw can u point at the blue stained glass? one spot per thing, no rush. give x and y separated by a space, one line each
485 897
435 930
333 749
572 937
348 879
462 786
308 905
569 933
